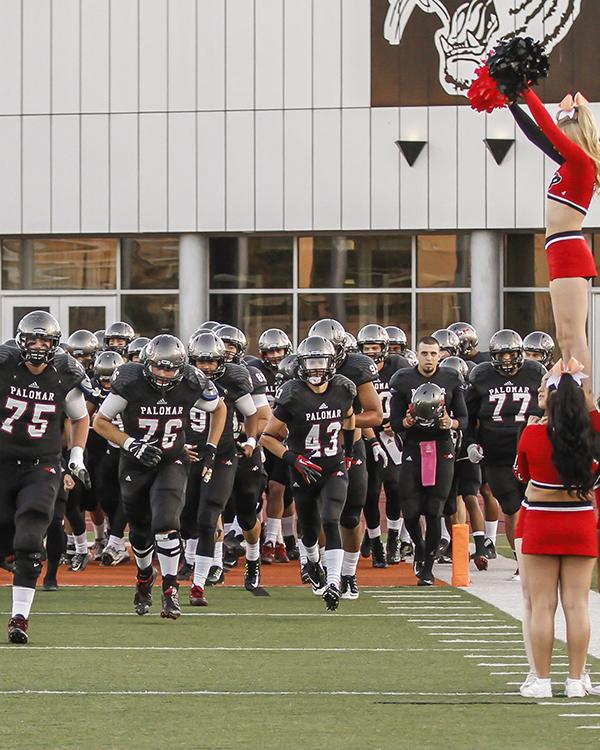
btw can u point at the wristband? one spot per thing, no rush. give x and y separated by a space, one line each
76 455
251 442
348 443
128 442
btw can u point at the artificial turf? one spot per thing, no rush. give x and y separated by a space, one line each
311 704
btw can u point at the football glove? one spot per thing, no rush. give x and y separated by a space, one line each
310 472
77 467
379 454
146 453
207 456
475 453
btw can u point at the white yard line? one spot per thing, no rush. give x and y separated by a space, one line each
242 693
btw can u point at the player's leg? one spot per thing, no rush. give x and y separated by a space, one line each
77 546
189 521
331 500
492 514
372 515
277 473
309 519
246 507
288 525
391 486
575 581
355 502
223 487
109 492
56 541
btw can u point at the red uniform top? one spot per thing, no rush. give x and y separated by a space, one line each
574 181
534 456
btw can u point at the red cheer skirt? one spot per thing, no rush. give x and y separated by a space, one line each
560 532
520 521
569 256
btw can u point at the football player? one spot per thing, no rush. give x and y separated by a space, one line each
135 348
539 345
427 404
317 410
154 401
469 343
38 386
448 341
501 397
361 370
117 338
83 346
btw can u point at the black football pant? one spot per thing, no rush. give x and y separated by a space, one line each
356 495
28 492
377 477
250 482
320 505
56 539
108 491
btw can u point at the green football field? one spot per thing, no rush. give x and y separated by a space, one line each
400 667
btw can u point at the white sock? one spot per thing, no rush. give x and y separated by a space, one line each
445 532
491 529
321 553
227 528
190 551
168 551
236 527
350 563
280 536
394 524
302 552
99 531
373 533
81 544
404 535
287 526
252 551
218 557
143 557
201 567
273 530
333 563
70 540
114 541
312 553
22 599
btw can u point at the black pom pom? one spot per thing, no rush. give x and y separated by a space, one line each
517 63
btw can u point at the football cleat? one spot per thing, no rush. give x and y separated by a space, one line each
304 577
17 629
378 553
392 547
349 587
331 597
68 555
98 549
281 553
418 559
142 599
233 544
252 575
113 556
197 598
425 579
215 575
365 546
516 576
80 561
50 584
481 561
406 550
267 553
229 560
291 547
490 549
443 551
171 608
316 576
185 571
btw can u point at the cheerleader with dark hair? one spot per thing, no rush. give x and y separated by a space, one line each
560 544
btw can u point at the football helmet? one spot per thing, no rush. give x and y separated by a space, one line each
83 345
164 352
467 335
397 339
350 343
287 370
104 366
118 330
270 340
507 341
541 343
100 336
134 349
459 366
234 337
374 334
208 347
427 405
448 341
211 325
38 324
316 360
334 332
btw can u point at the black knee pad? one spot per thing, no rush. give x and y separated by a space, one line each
28 566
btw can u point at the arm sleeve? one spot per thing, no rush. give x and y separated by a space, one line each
521 467
113 405
205 405
245 405
534 134
75 407
459 409
260 400
565 146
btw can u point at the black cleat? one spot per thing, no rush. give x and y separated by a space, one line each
481 561
143 594
185 571
17 629
229 560
50 584
291 546
79 561
490 549
365 546
252 578
419 560
215 575
233 545
392 547
171 608
425 579
304 577
349 587
316 576
406 550
331 597
378 553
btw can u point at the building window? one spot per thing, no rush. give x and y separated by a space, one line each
525 262
251 262
443 260
151 314
528 311
253 313
150 263
354 262
438 310
79 263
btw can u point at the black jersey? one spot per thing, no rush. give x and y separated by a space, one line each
499 406
156 416
96 396
391 365
406 381
233 384
315 420
478 358
269 375
360 369
32 406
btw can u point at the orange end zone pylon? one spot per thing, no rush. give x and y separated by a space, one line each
460 555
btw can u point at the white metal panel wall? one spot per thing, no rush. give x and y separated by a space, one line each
124 173
269 170
182 85
36 174
153 172
124 55
211 171
443 172
10 168
269 31
95 59
356 169
35 56
298 170
65 173
385 168
94 174
326 166
471 172
10 57
65 56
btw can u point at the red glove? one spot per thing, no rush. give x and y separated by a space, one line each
310 472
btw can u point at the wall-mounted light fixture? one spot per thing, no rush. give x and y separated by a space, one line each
498 147
411 150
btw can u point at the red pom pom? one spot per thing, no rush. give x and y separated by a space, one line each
483 92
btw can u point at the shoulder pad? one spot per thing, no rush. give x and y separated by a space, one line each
209 392
360 368
345 383
9 353
286 394
399 376
397 361
125 378
198 381
71 371
480 371
535 367
259 382
251 361
238 379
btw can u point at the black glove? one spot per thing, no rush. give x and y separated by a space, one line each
310 472
147 454
207 456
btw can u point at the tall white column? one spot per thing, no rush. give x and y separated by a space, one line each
485 284
194 272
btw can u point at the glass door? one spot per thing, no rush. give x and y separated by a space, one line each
15 308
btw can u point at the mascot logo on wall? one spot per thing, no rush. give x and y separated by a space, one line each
467 35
